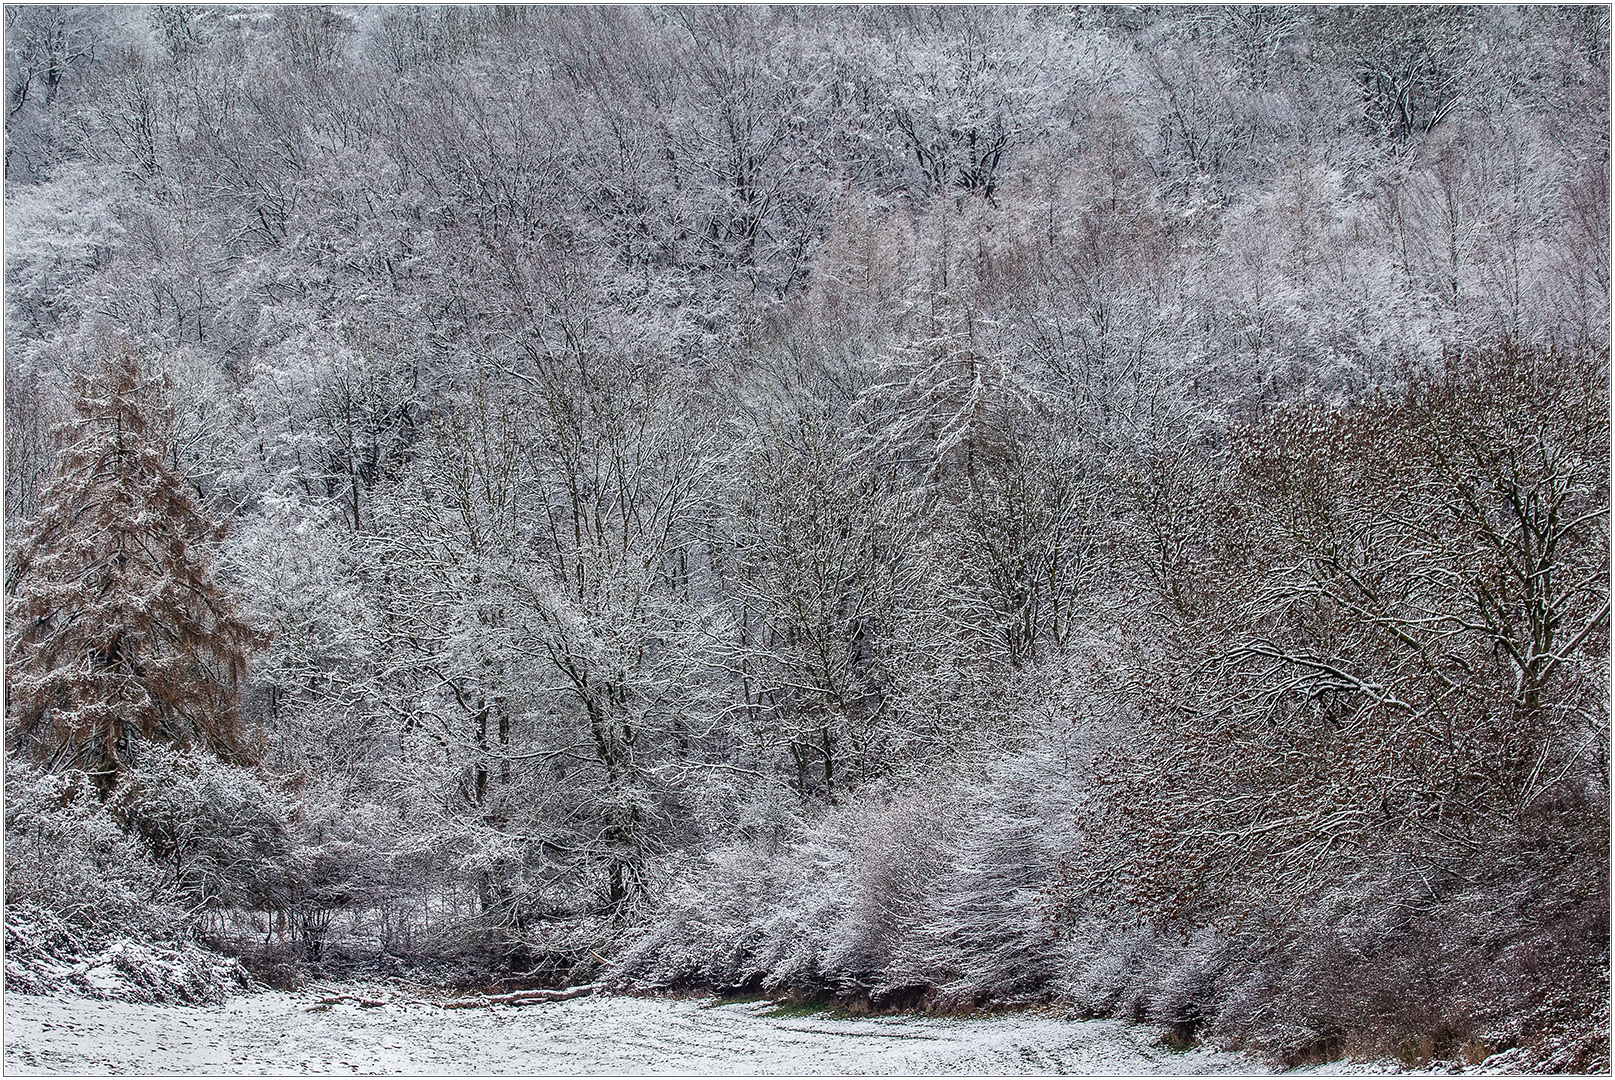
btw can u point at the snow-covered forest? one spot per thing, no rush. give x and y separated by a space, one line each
935 508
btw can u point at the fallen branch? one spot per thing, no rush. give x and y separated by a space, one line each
520 997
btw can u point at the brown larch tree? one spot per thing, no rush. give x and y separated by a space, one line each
118 632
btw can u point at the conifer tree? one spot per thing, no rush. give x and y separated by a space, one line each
118 632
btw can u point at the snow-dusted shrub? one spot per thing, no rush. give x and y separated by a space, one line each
46 956
87 910
752 915
983 934
67 856
217 832
1388 964
1110 966
1395 965
936 894
1185 994
902 847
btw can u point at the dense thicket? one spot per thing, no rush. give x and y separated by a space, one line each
951 506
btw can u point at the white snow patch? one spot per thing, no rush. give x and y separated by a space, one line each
279 1033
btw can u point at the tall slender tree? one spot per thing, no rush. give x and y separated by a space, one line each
118 631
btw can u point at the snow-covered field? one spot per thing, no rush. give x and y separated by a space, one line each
291 1033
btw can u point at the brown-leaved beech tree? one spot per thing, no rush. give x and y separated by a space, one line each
118 632
1398 657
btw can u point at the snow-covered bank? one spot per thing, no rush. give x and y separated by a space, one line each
289 1033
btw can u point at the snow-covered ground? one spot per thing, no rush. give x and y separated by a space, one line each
291 1033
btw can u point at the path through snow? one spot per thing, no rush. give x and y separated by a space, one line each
278 1033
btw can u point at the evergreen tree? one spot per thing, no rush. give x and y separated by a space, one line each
118 632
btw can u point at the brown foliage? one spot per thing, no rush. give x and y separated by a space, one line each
118 632
1402 657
